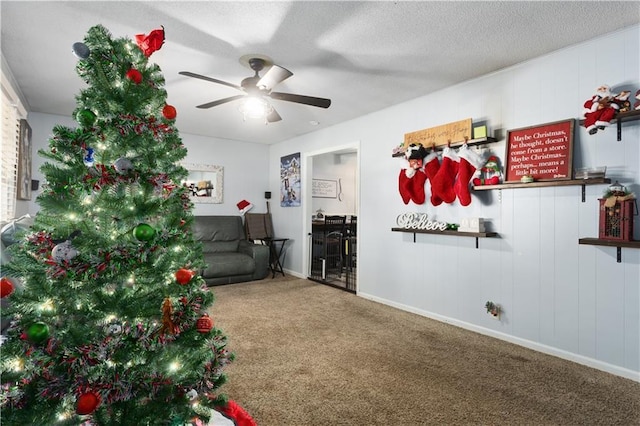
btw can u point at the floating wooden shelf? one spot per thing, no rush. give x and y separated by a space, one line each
621 118
569 182
475 235
470 142
618 244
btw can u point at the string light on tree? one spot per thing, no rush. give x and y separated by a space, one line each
174 366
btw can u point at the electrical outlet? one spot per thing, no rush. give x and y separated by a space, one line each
493 309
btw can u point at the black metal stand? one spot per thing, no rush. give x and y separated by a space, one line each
276 246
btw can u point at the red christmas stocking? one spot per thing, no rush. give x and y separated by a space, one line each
442 182
417 187
469 163
431 167
404 185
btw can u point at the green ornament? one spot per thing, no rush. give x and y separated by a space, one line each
86 118
38 332
144 232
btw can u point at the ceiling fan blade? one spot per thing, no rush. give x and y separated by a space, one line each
213 80
275 75
220 101
301 99
273 116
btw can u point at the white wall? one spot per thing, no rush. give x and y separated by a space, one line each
245 170
560 297
339 167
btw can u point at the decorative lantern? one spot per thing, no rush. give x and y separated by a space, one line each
616 214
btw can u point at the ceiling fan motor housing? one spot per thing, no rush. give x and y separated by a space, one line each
256 64
250 84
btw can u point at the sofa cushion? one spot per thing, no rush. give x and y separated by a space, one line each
218 228
225 264
220 246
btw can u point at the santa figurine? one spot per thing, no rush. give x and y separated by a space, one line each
490 173
600 110
622 100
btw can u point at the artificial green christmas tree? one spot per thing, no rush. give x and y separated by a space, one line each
110 326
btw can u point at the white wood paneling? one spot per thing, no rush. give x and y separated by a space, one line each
557 296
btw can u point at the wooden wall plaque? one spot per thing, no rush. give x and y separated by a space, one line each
455 132
544 151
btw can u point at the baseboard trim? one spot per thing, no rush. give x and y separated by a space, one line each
549 350
295 274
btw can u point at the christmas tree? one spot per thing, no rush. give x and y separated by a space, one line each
110 326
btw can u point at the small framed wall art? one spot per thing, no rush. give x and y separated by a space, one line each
205 183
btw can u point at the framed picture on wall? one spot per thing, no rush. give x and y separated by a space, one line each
24 162
205 183
290 186
324 188
544 152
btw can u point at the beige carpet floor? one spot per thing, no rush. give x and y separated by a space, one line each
309 354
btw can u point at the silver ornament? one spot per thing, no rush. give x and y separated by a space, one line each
81 50
64 252
123 165
114 328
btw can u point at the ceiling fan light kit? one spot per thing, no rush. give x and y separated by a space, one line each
255 107
256 89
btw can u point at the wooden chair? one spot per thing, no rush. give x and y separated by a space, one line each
258 226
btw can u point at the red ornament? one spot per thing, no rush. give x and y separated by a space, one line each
183 276
87 403
134 75
6 287
150 43
169 112
204 324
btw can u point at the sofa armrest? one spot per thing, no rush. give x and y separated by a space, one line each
260 253
256 251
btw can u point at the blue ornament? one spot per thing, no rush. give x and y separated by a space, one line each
88 159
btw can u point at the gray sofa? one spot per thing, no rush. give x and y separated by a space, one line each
229 256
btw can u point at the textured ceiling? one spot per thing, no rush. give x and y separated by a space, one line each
364 56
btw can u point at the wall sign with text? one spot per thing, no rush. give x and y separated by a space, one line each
324 188
544 152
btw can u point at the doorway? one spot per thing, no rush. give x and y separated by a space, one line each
331 178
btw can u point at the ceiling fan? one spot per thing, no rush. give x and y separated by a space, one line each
257 88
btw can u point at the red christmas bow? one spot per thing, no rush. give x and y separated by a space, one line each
150 43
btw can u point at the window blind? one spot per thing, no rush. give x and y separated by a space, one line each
9 151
